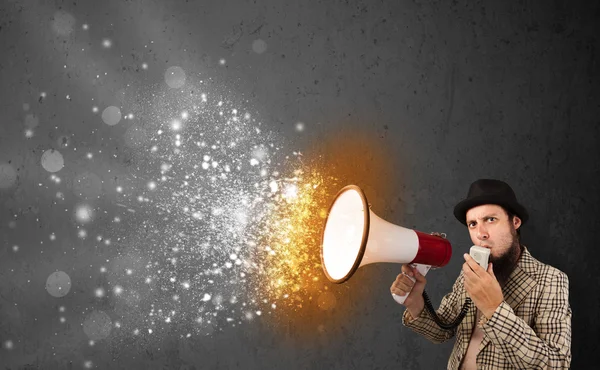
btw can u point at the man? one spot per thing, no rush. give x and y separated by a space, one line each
519 316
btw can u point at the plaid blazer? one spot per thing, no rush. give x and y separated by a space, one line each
531 329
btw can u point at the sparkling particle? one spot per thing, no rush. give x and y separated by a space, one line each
99 292
52 160
15 248
9 344
84 213
106 43
299 126
259 46
175 77
273 186
111 115
97 325
58 284
291 191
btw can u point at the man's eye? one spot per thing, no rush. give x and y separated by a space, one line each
471 224
491 218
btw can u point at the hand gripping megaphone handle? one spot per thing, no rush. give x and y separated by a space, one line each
423 269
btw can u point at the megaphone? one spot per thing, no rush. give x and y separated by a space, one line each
354 236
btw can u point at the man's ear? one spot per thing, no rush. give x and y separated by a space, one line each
517 222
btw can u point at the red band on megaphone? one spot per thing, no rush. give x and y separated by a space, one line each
433 250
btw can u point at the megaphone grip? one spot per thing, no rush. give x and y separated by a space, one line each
423 269
400 298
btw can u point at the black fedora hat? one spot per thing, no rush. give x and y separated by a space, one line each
489 191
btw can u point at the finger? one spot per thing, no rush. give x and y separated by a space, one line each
490 270
401 288
403 280
407 269
467 270
399 291
418 276
472 263
470 277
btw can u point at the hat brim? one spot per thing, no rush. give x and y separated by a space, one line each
460 211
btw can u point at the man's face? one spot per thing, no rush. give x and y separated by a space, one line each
490 227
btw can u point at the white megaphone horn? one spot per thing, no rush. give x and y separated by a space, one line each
354 236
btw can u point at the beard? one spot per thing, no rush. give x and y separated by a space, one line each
505 264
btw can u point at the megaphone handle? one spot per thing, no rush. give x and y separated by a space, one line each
423 269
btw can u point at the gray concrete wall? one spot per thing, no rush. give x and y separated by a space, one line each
412 100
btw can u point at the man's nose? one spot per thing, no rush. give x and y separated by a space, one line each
482 233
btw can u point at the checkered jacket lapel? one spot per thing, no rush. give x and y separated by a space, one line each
466 326
517 287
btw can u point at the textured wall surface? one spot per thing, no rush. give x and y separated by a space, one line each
106 264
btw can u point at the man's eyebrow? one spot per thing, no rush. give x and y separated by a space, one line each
493 214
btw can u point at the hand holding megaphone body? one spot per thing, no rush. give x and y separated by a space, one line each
413 275
408 288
